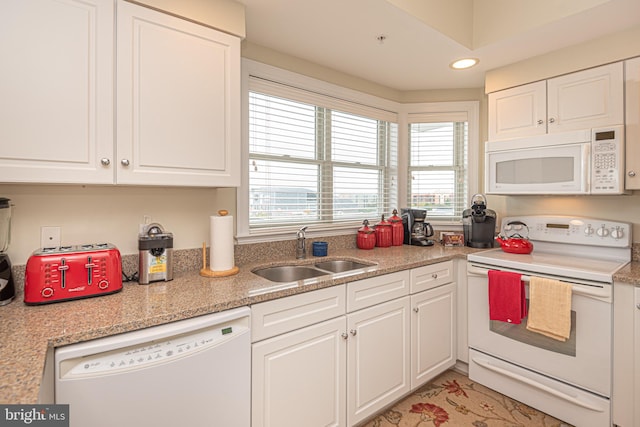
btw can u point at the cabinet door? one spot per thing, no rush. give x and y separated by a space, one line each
378 359
636 349
517 112
299 378
56 91
433 333
632 122
178 103
586 99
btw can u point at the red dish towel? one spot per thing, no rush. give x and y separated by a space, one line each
507 299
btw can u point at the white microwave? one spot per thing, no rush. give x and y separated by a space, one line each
579 162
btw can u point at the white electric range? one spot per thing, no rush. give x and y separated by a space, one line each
570 380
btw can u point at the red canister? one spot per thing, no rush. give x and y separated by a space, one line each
383 233
397 229
366 236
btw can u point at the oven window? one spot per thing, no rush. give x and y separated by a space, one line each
520 333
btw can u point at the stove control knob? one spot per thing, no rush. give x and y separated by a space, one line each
588 231
602 231
617 233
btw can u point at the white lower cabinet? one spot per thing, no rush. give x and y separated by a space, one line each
339 355
433 333
299 378
378 358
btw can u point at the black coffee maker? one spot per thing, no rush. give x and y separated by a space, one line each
479 224
7 288
416 228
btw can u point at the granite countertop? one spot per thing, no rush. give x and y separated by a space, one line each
28 332
629 274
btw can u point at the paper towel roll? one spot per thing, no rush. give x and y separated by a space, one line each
221 256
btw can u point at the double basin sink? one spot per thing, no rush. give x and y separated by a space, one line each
293 273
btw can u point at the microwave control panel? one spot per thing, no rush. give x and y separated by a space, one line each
607 151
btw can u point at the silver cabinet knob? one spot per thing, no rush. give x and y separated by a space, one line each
632 173
105 161
434 275
124 162
416 309
344 335
552 120
638 306
540 121
353 332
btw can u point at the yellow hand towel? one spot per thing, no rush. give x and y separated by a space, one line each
549 308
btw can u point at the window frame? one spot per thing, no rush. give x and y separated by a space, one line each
253 68
445 112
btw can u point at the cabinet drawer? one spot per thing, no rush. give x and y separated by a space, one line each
286 314
431 276
368 292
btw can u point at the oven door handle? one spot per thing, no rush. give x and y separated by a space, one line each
572 399
584 290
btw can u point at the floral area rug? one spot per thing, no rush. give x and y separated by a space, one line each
452 399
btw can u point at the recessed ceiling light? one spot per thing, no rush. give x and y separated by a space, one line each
461 64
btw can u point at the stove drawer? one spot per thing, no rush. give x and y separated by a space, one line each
575 406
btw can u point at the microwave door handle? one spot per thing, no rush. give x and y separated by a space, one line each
584 290
572 399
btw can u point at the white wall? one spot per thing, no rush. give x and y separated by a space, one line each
91 214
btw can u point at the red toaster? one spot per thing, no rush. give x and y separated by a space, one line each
71 272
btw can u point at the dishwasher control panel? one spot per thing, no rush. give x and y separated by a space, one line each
148 354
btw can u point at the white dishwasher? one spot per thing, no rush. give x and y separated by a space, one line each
194 372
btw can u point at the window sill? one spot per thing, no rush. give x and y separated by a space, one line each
289 233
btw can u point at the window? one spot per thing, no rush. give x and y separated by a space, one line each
328 157
316 160
438 164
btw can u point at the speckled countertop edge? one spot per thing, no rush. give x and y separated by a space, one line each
29 331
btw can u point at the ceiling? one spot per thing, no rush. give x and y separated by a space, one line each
415 55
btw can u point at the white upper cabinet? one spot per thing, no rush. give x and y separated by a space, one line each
56 91
632 121
177 85
178 101
587 99
519 111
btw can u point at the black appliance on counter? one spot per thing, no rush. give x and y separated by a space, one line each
7 287
479 224
416 228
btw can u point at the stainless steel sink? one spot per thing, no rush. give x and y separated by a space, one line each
341 265
293 273
289 273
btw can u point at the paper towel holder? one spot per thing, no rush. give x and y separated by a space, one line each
207 272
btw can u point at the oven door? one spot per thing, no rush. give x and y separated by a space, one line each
560 169
583 361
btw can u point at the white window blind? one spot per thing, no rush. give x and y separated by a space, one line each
438 164
314 159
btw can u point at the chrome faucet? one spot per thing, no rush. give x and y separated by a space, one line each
301 248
